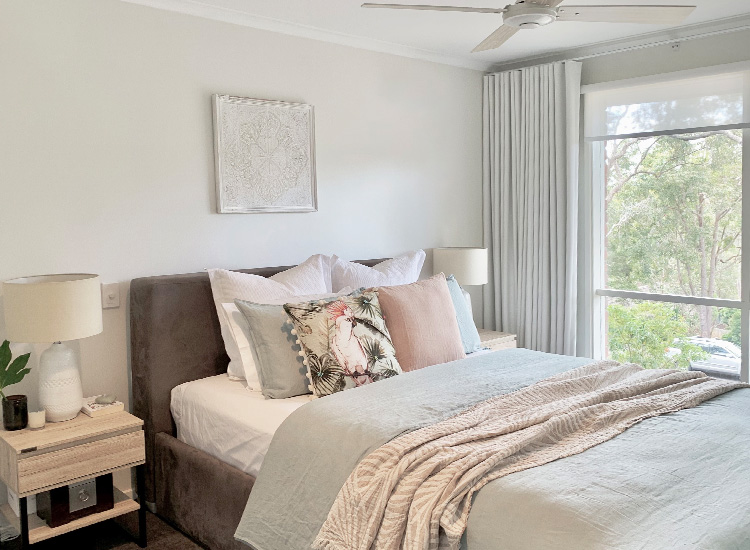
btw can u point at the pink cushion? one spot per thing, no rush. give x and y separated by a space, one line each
422 323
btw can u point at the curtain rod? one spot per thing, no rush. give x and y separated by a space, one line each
570 55
664 42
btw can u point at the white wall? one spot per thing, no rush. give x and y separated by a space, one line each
106 156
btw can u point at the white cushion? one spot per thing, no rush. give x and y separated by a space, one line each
313 276
244 368
401 270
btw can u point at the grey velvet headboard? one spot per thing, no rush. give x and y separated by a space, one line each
174 338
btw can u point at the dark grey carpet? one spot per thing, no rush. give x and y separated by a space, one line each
113 535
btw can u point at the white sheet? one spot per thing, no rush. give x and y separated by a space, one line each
223 418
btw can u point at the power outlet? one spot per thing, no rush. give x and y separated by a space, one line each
110 296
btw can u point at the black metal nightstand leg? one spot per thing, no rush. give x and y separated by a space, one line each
140 479
24 523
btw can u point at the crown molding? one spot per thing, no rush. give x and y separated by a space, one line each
228 15
648 40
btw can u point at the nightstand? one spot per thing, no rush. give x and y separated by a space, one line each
497 340
33 461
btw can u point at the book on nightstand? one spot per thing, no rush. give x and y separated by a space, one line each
93 409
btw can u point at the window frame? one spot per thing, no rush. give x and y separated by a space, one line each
592 276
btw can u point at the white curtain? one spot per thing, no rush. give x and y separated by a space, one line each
530 188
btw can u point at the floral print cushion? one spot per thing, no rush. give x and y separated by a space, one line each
344 341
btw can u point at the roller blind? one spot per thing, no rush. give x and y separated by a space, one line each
683 104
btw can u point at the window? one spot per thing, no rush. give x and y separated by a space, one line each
668 207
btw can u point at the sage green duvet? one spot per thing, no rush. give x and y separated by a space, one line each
675 481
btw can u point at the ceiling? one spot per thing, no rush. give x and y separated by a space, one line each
439 36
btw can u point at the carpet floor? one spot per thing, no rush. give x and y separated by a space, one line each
113 535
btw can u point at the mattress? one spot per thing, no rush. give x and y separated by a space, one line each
226 420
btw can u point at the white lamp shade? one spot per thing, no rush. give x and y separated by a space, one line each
467 265
52 308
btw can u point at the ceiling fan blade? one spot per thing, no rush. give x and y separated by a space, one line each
659 15
433 8
496 39
548 3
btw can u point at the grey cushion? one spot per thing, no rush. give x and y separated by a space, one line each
276 353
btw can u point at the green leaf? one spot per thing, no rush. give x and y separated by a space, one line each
369 324
16 371
5 355
19 363
16 378
365 305
373 349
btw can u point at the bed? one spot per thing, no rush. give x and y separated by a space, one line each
681 479
175 338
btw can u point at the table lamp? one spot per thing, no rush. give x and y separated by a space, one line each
55 308
467 265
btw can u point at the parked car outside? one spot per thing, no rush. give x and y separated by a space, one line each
724 361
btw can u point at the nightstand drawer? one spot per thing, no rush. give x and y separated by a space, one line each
55 468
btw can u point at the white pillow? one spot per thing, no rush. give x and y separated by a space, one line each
241 333
401 270
313 276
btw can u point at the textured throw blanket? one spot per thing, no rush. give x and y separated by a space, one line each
416 491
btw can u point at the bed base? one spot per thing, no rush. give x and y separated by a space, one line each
199 494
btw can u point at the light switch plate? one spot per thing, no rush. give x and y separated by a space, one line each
110 296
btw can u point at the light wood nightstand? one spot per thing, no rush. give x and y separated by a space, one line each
497 340
33 461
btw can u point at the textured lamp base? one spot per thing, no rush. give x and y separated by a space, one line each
60 391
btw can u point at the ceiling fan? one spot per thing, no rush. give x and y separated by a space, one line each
532 14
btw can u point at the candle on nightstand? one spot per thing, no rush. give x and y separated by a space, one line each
37 419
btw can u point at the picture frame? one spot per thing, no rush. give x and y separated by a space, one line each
264 153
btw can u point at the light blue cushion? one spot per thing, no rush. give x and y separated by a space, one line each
276 353
467 328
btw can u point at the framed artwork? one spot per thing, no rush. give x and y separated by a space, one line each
264 153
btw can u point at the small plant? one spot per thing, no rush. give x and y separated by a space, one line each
11 373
